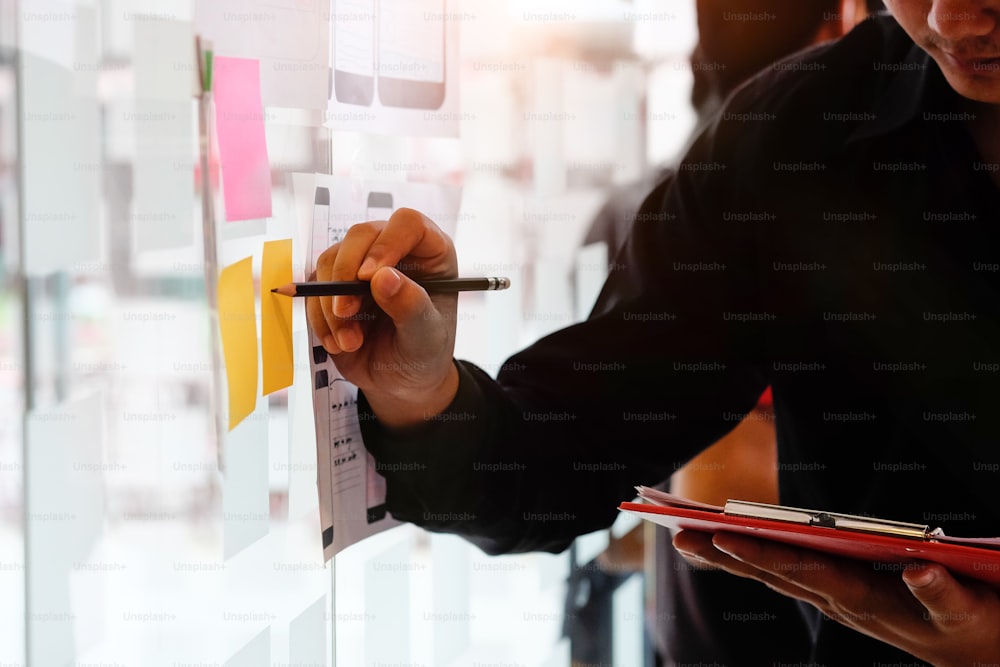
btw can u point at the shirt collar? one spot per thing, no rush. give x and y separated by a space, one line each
910 82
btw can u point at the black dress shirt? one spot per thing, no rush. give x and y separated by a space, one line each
833 235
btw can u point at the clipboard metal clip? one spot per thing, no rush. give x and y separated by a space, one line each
833 520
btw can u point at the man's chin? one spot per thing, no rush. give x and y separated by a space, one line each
979 87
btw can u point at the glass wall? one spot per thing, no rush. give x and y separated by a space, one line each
135 527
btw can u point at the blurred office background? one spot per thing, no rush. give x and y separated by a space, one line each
113 508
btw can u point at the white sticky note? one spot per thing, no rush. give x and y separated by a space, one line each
303 196
245 493
164 125
163 202
164 59
289 37
302 495
47 30
387 590
60 127
256 653
450 561
119 19
65 513
307 641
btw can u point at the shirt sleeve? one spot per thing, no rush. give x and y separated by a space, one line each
660 370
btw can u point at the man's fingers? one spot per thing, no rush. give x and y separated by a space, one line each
702 546
338 332
317 321
691 544
842 589
813 575
919 612
367 248
323 305
948 603
409 233
350 253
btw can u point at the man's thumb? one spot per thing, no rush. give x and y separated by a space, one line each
943 598
405 302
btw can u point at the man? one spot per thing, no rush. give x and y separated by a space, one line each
831 235
695 608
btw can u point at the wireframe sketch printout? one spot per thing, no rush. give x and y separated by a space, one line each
351 489
394 67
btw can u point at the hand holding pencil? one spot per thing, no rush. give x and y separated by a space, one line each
395 340
361 287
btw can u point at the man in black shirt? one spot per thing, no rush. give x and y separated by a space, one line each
831 235
698 612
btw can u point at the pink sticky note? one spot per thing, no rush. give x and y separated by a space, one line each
239 121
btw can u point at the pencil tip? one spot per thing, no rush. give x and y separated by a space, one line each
274 289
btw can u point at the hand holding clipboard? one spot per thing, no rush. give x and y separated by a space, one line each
845 535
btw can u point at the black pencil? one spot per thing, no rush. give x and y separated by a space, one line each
361 287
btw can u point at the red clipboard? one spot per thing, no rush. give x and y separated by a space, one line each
959 555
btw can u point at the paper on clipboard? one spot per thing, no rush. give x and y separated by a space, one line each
856 537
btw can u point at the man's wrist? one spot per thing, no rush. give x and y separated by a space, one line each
397 413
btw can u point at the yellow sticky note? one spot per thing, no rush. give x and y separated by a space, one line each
276 316
238 325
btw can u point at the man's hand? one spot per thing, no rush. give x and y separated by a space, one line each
396 346
926 611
